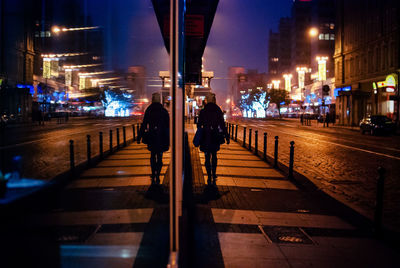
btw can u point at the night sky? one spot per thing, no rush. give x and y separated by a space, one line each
239 35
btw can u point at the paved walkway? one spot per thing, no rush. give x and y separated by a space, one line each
264 220
112 217
108 217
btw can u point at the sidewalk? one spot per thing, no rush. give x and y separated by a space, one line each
264 220
109 216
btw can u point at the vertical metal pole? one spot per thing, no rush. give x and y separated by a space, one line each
236 131
133 133
250 130
88 149
256 142
71 155
138 130
111 140
291 160
233 131
229 129
244 137
379 202
101 144
276 152
124 134
265 146
176 123
117 138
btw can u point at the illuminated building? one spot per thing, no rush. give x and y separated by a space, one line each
367 56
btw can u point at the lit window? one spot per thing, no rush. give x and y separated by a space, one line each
332 36
321 37
326 36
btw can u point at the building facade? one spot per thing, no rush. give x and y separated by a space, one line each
367 59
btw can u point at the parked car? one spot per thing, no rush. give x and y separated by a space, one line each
376 124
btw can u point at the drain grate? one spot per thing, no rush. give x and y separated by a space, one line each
287 235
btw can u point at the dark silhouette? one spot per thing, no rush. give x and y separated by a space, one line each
327 119
154 131
211 119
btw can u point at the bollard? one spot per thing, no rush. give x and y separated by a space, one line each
71 155
138 130
237 126
250 139
133 133
111 145
117 138
265 146
276 152
229 129
101 144
124 135
244 137
233 131
256 142
88 150
291 160
379 202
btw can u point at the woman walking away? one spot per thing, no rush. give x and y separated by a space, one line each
154 132
211 119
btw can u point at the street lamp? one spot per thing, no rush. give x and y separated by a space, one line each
322 68
313 32
276 83
288 82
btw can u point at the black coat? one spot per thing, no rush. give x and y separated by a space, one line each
156 125
211 119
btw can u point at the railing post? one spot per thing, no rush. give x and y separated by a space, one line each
276 152
71 155
291 160
133 132
137 129
124 135
233 131
265 146
111 140
250 130
229 129
244 137
379 202
256 142
88 149
101 144
117 138
236 131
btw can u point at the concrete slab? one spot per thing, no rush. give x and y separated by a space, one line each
239 245
95 217
278 219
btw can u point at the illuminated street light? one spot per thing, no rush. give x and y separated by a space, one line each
322 68
228 101
313 32
57 29
288 82
276 83
301 75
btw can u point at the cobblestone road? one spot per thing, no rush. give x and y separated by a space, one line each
45 149
342 162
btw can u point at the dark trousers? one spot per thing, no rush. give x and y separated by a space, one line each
211 162
156 163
